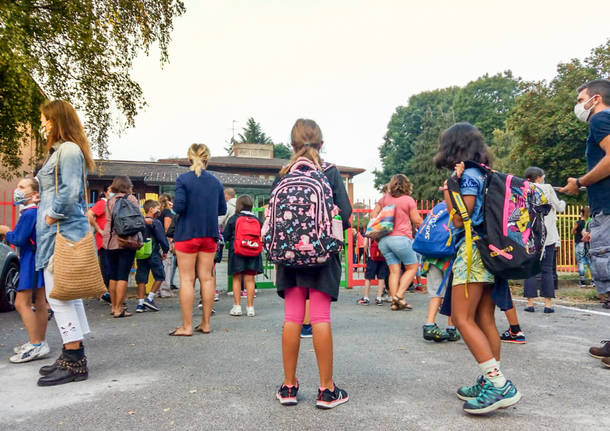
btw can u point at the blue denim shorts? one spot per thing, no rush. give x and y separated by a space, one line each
397 249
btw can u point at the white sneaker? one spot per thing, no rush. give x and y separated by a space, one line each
216 297
24 346
27 355
250 311
235 311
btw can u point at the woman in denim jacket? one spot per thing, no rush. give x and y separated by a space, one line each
70 153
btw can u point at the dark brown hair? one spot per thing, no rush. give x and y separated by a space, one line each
121 184
164 198
150 203
459 143
306 141
66 127
244 203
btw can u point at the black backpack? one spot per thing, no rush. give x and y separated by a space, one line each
511 238
127 219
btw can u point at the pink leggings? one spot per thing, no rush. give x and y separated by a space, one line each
294 305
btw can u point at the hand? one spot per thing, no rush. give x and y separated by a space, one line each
571 188
443 187
586 236
4 229
459 169
100 231
50 220
163 256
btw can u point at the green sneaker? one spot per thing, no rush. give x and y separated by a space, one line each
433 332
467 393
453 334
492 398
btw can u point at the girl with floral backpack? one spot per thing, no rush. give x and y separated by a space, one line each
312 267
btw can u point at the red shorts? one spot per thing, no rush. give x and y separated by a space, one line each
206 245
247 272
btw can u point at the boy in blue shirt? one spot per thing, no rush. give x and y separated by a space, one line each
24 237
154 263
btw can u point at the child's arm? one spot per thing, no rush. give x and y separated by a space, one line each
20 237
159 234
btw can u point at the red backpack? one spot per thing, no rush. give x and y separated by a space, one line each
375 252
247 240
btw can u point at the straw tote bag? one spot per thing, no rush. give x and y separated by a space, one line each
76 270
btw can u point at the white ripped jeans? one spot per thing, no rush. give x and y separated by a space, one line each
69 315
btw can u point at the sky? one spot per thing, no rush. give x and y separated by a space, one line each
345 64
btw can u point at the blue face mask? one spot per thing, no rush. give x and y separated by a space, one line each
19 197
110 195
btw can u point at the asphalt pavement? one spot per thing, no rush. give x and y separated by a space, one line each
142 379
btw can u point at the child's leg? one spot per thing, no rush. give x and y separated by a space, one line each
487 322
306 319
155 287
367 288
42 315
23 305
250 286
464 313
513 321
294 314
433 307
141 291
322 335
237 289
380 287
450 322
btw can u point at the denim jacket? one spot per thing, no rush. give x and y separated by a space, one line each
68 206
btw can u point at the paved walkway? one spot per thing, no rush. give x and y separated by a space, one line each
140 378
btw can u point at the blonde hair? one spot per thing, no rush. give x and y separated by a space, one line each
306 141
199 155
66 127
400 185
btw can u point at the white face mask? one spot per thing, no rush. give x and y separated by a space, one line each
43 132
581 113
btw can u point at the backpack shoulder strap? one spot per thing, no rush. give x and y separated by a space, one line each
460 208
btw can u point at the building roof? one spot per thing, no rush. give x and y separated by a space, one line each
253 162
156 173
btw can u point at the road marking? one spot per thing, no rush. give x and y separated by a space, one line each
583 310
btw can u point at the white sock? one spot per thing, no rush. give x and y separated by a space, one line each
491 371
140 301
151 296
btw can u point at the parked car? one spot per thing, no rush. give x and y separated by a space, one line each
9 277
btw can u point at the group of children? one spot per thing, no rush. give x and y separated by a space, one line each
468 299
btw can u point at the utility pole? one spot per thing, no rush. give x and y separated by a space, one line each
230 148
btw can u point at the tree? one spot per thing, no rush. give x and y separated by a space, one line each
486 102
253 133
81 51
548 133
282 151
404 128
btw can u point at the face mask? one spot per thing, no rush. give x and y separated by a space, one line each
19 197
581 113
110 195
43 132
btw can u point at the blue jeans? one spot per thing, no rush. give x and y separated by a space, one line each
397 249
582 259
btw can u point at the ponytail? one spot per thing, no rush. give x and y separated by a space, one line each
199 155
306 141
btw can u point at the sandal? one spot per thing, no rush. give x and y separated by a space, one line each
198 329
124 313
174 333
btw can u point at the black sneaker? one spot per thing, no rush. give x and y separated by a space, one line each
330 399
287 395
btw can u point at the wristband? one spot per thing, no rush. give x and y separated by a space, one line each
578 183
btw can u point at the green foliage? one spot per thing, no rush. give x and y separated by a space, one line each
253 133
81 51
548 134
486 101
282 151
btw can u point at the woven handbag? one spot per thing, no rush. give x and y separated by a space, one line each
76 270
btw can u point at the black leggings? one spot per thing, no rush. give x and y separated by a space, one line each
120 262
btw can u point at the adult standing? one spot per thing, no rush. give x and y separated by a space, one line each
120 258
581 238
169 264
397 247
231 203
97 218
547 284
594 107
199 200
62 209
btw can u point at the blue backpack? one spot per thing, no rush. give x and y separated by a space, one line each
434 238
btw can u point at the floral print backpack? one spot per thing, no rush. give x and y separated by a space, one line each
302 227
